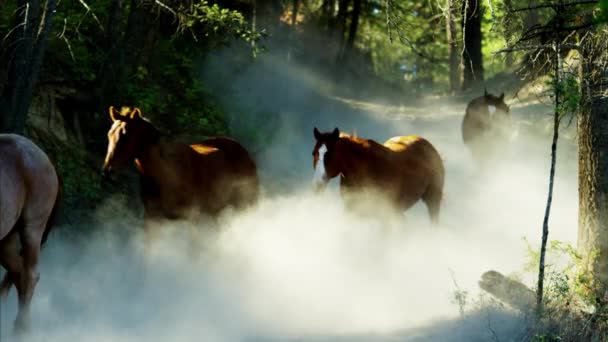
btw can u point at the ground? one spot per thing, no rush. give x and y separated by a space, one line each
298 267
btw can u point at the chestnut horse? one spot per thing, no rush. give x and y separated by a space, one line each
29 190
486 125
180 181
402 171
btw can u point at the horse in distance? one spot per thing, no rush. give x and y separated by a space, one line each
402 171
29 191
486 126
177 180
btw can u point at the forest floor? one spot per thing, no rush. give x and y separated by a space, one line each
298 268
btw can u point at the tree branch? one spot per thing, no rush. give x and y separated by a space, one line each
553 6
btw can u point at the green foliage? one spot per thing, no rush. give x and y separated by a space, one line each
81 183
602 15
568 90
221 23
545 338
567 272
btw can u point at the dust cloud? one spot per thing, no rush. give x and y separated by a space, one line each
298 267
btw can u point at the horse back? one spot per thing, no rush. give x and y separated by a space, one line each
230 168
414 152
236 156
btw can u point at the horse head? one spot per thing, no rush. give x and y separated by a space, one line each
325 164
125 138
496 105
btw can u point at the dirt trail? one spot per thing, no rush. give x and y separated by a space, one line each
299 267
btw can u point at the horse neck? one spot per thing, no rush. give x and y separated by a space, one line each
149 156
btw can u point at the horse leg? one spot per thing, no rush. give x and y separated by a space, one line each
10 259
31 239
432 199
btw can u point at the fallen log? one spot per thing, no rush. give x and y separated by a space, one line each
509 291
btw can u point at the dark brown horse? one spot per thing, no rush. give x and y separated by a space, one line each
402 171
180 181
29 190
486 125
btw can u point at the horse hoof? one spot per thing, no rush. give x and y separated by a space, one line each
21 327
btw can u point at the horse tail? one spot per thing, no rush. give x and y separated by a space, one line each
54 212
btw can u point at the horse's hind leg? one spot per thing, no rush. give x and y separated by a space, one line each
432 199
31 239
10 259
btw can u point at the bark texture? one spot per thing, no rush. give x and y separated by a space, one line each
592 129
472 60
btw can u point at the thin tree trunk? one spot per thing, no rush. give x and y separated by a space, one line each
593 162
545 235
472 59
452 46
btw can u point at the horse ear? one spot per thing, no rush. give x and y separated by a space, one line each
502 96
114 115
335 135
316 133
136 113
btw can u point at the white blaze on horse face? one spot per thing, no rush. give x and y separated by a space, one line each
111 143
491 109
319 177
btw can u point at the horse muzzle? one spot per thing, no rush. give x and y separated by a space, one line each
105 172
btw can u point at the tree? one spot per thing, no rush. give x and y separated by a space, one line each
472 59
340 28
451 39
593 160
23 60
354 25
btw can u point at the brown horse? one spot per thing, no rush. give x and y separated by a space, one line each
180 181
402 171
29 190
486 125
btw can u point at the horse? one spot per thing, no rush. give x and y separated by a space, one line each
486 125
401 171
29 197
177 180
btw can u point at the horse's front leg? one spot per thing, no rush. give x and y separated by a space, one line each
152 221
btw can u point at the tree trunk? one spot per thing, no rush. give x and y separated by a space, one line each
341 27
269 15
329 9
111 67
472 59
452 46
593 162
292 33
24 63
140 23
354 25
